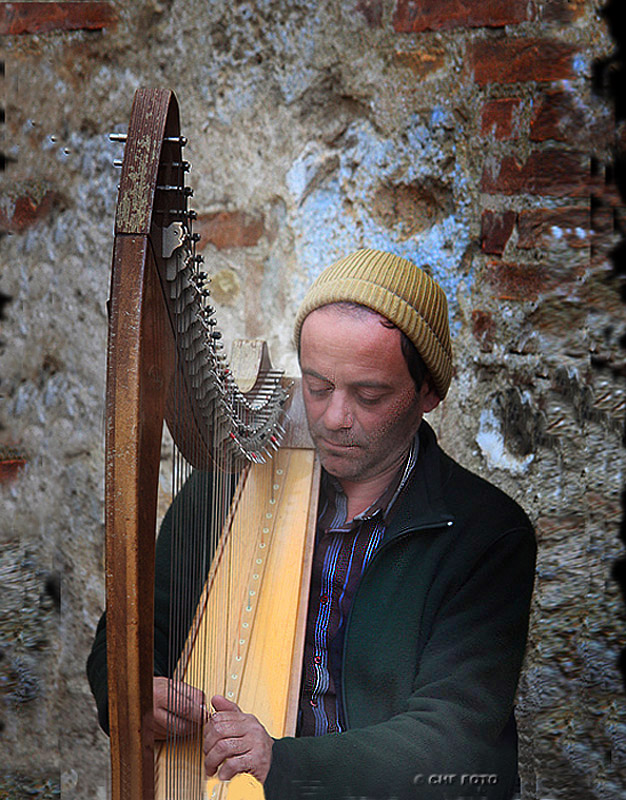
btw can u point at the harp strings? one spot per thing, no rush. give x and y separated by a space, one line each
207 530
210 415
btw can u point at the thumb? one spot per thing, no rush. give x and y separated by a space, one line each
220 703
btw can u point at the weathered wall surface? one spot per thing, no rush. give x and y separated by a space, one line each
465 136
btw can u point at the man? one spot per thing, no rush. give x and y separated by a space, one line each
422 572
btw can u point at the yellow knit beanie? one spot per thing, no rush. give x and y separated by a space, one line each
399 291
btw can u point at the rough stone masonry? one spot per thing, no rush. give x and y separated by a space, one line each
467 136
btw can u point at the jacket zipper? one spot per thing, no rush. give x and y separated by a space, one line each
402 535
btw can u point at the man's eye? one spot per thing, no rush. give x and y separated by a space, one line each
318 391
366 400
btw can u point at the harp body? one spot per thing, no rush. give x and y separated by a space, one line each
156 326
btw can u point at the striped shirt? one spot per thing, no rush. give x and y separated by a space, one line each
342 552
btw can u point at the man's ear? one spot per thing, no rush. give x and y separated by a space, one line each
428 396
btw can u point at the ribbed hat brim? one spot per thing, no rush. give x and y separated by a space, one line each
398 290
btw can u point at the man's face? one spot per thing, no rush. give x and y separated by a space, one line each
361 403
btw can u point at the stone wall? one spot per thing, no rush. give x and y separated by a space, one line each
469 137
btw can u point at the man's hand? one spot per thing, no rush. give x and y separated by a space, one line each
236 741
179 709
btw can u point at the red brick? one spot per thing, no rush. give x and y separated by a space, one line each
20 18
561 10
558 527
607 191
496 229
423 61
602 221
556 117
10 469
542 227
22 212
555 173
230 229
520 60
522 282
484 329
372 10
497 117
414 16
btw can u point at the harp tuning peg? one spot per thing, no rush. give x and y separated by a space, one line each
181 140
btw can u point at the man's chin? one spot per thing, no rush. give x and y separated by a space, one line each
339 460
339 465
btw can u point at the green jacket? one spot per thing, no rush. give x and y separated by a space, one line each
432 651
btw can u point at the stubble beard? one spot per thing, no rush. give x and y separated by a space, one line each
342 462
362 457
355 463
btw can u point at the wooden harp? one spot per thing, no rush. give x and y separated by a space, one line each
162 335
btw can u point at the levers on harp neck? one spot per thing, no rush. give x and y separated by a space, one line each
180 140
184 165
121 137
255 430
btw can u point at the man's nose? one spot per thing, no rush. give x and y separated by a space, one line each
338 412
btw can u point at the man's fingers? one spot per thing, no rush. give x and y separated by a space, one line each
220 703
179 709
225 726
167 725
224 750
235 742
233 766
186 701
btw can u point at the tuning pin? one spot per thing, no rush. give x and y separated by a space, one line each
181 140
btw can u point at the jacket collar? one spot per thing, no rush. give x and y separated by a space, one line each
422 504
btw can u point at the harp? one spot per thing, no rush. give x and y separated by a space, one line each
165 363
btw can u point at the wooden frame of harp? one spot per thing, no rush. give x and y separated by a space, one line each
159 328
